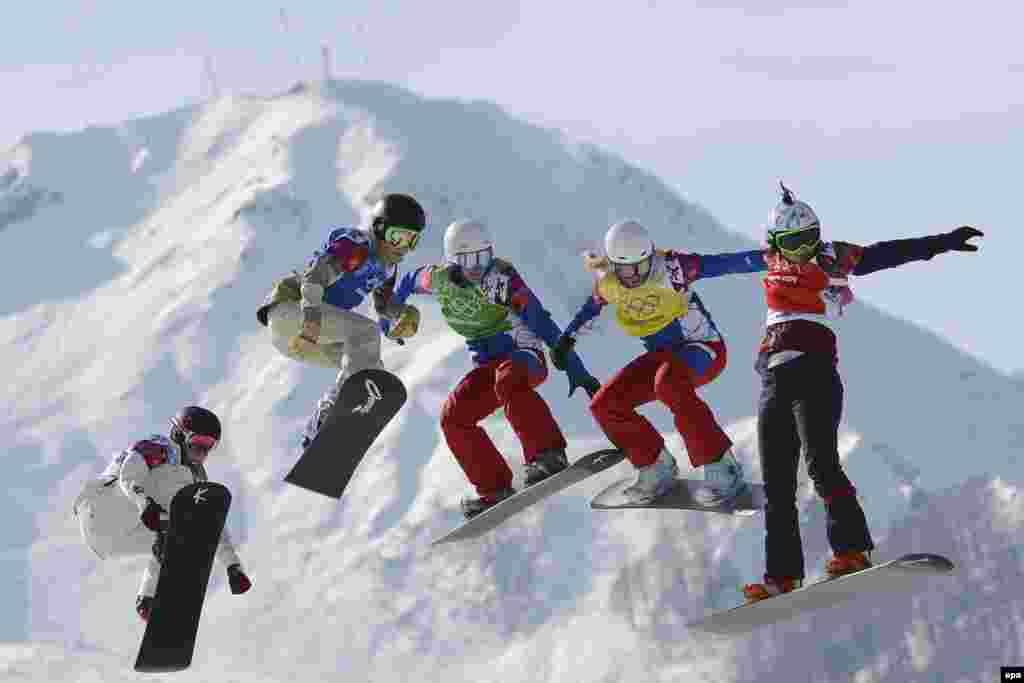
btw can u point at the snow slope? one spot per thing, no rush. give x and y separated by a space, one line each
135 258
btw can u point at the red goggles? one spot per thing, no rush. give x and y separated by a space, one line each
200 441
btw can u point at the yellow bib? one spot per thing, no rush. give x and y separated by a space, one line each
644 310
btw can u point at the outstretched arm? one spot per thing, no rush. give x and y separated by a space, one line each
697 266
538 320
590 309
226 554
528 307
893 253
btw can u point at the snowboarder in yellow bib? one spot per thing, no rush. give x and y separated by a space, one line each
650 290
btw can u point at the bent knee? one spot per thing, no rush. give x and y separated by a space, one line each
603 404
449 414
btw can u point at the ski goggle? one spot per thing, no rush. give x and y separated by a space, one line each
798 245
474 260
632 274
201 442
401 238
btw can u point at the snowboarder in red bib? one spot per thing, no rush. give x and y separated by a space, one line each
806 289
485 300
650 290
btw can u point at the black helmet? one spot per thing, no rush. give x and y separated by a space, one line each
399 211
191 421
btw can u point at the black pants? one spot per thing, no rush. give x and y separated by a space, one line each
800 408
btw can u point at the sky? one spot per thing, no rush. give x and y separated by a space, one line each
892 120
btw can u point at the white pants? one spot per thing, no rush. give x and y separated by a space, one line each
110 524
349 341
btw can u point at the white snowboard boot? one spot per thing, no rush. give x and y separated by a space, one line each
316 420
726 479
654 480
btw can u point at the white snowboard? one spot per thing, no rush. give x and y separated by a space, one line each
903 575
684 495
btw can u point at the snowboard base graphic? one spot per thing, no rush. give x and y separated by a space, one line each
368 401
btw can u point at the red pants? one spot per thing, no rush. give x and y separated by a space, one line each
666 377
506 382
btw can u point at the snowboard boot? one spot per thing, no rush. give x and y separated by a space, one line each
316 420
725 476
545 464
471 507
841 564
654 480
144 606
770 588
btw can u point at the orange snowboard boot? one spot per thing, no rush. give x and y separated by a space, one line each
846 563
770 588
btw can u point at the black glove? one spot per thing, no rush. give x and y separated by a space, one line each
151 516
237 579
957 240
560 352
589 383
457 277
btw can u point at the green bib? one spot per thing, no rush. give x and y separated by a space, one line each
466 309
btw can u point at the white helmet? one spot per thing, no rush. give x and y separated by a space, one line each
793 228
469 244
792 214
630 250
628 242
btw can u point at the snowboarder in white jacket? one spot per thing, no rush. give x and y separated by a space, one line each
125 510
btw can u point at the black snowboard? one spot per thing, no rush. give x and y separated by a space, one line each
198 512
366 404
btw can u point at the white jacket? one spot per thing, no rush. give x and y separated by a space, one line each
151 468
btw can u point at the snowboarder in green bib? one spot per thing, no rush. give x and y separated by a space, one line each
485 300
